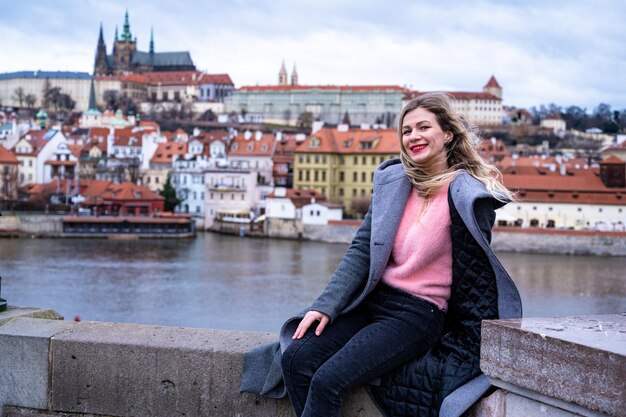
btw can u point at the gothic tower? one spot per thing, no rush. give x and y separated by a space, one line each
101 66
282 75
493 87
124 50
294 76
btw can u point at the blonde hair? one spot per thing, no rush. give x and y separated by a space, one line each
461 151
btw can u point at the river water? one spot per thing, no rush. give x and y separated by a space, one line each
228 282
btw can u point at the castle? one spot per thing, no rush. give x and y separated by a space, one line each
127 59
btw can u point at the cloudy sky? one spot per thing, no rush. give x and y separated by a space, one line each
561 51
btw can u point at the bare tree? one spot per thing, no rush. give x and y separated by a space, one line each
30 100
19 95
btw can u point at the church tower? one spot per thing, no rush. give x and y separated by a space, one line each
124 50
282 75
101 65
294 76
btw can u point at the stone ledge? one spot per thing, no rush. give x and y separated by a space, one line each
36 313
579 360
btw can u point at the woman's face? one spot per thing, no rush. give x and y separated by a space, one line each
424 140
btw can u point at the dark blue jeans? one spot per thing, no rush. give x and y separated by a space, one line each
388 329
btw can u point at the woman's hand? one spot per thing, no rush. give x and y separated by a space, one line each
306 322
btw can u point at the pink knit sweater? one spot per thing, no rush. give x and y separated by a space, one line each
421 258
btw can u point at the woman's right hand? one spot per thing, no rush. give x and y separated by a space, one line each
308 319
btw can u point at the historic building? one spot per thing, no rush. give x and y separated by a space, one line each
340 163
564 194
126 58
289 102
482 108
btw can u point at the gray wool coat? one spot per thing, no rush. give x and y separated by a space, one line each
362 267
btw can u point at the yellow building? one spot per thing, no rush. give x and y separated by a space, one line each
340 163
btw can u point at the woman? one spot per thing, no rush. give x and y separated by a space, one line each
418 268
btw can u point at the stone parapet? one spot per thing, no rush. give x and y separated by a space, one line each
575 364
117 369
542 367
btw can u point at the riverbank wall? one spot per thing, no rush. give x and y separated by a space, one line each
504 239
561 367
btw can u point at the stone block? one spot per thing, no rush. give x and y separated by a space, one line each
37 313
24 343
492 405
579 360
137 370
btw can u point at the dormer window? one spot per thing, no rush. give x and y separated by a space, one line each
264 148
314 143
137 194
234 147
250 147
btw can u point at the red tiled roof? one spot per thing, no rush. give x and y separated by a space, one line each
7 157
384 141
300 196
344 88
584 189
457 95
492 83
98 132
129 191
123 137
240 146
165 152
135 78
612 160
215 79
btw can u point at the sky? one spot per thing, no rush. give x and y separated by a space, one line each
568 52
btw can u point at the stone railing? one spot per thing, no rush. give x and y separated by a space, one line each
63 368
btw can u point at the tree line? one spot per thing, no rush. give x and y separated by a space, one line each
603 116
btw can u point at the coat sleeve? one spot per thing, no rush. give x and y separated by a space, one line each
351 274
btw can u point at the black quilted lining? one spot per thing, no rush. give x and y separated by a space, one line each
419 387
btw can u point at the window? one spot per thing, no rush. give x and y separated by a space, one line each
299 175
355 177
364 160
317 159
308 159
177 95
156 179
341 192
356 160
323 175
323 159
341 176
307 175
354 192
315 176
363 175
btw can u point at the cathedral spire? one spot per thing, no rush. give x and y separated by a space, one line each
101 37
294 75
115 33
151 40
92 96
126 35
282 75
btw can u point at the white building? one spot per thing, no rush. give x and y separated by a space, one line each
188 178
43 154
76 84
280 206
556 123
321 213
482 108
230 194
